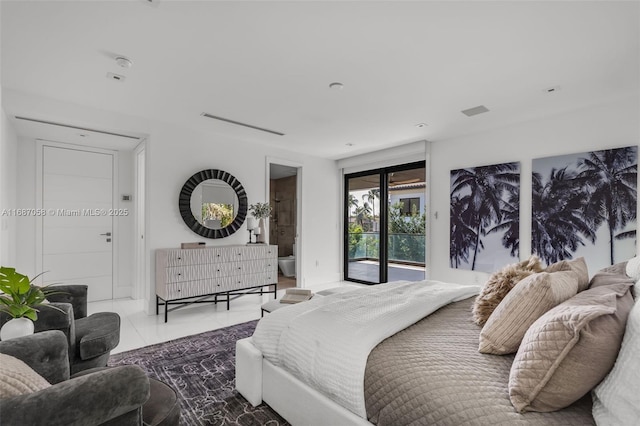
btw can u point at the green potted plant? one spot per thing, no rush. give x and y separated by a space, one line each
260 211
19 298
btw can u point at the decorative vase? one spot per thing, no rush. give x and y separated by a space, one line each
262 237
16 327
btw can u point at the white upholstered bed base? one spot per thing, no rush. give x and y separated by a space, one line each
259 380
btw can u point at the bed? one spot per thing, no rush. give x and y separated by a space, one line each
428 371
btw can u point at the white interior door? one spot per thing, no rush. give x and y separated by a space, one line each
77 230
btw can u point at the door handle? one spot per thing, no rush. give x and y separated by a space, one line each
108 234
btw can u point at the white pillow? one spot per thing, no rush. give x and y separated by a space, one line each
633 270
616 400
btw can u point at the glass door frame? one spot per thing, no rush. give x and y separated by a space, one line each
383 257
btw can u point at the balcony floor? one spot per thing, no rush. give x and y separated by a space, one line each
367 270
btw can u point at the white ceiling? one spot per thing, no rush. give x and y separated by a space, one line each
269 64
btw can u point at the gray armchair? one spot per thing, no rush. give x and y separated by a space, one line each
90 338
106 396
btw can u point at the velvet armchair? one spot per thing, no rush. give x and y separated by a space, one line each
105 396
90 338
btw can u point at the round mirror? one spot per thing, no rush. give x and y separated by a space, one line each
213 203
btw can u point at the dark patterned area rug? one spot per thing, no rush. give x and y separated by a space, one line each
201 368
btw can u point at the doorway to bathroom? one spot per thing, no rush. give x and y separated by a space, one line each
284 182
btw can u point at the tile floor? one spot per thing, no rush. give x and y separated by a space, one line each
139 329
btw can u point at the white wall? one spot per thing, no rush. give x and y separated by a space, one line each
174 154
611 125
125 239
26 198
8 168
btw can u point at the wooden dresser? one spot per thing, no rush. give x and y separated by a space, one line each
224 272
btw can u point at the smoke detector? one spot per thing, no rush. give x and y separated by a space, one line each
124 62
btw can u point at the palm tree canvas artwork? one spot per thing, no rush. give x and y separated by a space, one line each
485 217
585 205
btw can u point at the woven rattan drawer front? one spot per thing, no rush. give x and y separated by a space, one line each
209 270
209 255
176 274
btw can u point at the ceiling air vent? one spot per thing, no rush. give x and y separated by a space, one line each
475 111
238 123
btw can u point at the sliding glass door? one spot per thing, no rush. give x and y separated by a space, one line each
406 224
363 228
384 224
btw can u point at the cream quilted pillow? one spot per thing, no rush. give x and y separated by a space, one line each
570 349
616 401
17 378
579 266
529 299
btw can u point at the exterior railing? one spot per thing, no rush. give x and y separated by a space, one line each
409 248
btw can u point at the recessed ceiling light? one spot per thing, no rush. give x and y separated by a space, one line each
336 86
124 62
421 125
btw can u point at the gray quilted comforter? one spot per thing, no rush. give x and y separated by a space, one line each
432 374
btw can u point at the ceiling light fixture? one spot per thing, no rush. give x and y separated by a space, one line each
336 86
124 62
